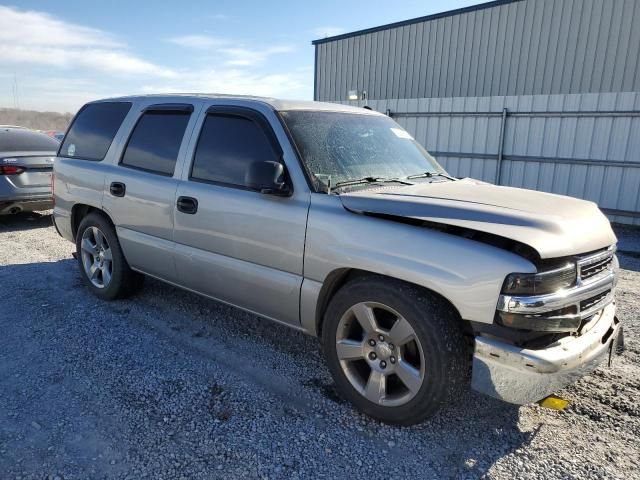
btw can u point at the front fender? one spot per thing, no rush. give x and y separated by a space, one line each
467 273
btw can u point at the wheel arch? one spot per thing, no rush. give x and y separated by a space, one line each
80 211
339 277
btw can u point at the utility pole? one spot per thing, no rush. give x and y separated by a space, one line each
16 98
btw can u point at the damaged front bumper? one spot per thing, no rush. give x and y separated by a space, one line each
520 375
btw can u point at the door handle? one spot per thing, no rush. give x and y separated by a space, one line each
117 189
187 205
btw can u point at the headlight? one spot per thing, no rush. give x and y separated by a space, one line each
540 283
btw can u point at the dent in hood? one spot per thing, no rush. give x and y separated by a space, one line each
553 225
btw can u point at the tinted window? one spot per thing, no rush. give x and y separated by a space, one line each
93 130
155 142
23 140
228 144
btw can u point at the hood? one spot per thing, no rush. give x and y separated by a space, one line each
553 225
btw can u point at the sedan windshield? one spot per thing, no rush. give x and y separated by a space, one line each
339 148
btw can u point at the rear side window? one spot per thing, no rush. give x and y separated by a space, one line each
155 142
93 130
228 144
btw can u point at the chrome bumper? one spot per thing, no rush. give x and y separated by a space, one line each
521 376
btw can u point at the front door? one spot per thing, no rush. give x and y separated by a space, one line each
237 245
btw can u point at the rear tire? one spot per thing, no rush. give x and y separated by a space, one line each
101 261
396 351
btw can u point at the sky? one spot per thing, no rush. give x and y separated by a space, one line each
55 56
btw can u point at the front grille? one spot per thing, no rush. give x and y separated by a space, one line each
595 268
591 302
592 265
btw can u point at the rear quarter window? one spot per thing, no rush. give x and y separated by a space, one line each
93 130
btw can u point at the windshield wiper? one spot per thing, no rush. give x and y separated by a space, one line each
429 175
365 180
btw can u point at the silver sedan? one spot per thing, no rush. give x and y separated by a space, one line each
26 166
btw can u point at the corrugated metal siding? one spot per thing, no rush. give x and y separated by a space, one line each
551 143
520 48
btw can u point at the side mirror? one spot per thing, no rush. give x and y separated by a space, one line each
267 178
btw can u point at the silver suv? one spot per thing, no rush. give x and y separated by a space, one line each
334 221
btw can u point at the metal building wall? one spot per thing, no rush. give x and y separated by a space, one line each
583 145
506 47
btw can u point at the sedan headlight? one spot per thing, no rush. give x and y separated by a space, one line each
541 283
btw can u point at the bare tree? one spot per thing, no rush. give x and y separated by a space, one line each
35 120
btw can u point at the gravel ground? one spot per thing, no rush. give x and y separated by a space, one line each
171 385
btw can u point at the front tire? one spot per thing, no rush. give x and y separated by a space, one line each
395 351
102 263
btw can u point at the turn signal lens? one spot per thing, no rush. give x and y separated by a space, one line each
540 283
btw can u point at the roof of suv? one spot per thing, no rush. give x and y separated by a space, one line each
275 103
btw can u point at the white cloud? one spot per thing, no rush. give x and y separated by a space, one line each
327 31
203 42
62 65
232 53
36 38
38 28
107 61
245 57
238 81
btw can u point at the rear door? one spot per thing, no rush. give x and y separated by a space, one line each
239 245
140 189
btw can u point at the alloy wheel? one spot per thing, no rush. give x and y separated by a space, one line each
97 259
380 354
